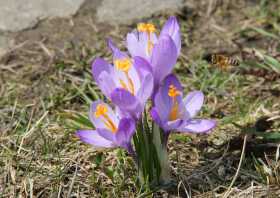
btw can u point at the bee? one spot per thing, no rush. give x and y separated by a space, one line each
222 61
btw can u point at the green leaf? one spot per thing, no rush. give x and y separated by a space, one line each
270 136
259 168
94 93
110 172
78 120
98 159
262 66
181 138
85 97
273 63
265 33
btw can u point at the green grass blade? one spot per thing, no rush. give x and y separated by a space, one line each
265 33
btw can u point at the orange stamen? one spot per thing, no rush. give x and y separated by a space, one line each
149 29
101 112
146 27
173 92
125 65
150 46
109 124
174 113
130 83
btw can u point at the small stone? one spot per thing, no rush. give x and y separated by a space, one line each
127 11
221 171
17 15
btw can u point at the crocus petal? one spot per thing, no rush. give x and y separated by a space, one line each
193 102
144 71
134 76
172 28
163 106
142 66
125 132
126 102
92 137
98 66
198 126
166 125
155 116
117 53
153 37
135 46
146 88
163 58
137 43
108 135
171 80
107 83
132 79
175 124
99 122
120 113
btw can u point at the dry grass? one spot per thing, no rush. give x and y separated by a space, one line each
46 78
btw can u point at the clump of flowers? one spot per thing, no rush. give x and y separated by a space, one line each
141 86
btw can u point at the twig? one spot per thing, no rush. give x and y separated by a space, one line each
211 8
30 181
72 182
45 49
13 49
14 109
30 131
59 191
186 191
238 169
9 67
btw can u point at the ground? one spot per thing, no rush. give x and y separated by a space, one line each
45 79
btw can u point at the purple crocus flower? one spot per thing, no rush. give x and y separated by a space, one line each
142 41
128 83
172 112
161 52
111 130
